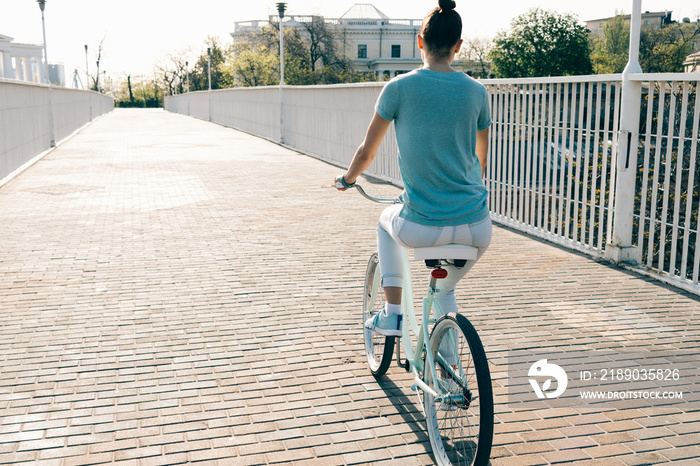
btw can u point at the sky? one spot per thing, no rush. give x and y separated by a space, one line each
138 34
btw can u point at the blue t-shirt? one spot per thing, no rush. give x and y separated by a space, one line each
436 116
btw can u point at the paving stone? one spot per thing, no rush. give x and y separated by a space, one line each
165 299
565 456
520 460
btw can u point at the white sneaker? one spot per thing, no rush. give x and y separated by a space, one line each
385 324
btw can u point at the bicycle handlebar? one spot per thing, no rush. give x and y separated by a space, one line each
378 200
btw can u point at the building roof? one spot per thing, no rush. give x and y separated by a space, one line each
646 14
363 11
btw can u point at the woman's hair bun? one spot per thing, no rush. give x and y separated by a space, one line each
447 5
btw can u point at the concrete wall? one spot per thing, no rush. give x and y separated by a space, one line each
24 119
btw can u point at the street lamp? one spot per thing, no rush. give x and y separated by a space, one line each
209 65
42 5
281 6
280 9
87 70
187 68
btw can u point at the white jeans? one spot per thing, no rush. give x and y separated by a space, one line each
395 233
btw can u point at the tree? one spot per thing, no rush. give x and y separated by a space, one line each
142 93
221 75
475 52
542 43
254 65
611 48
321 43
310 57
96 78
663 50
173 68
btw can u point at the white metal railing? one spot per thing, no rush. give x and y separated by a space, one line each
24 117
668 182
553 162
553 152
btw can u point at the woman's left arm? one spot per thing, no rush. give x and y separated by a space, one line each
365 154
482 148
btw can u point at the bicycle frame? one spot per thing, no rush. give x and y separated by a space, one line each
413 356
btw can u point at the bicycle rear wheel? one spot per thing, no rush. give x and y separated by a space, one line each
379 348
460 426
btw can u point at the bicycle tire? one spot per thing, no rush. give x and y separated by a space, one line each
378 348
460 428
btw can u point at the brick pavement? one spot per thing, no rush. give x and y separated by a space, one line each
174 291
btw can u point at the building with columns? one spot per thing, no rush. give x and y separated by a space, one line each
374 42
24 62
692 63
655 19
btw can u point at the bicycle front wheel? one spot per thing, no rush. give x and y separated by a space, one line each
378 348
460 420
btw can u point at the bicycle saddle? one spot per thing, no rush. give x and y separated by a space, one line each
459 253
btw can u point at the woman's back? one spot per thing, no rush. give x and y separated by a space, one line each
437 116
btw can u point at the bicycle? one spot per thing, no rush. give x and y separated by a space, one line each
449 364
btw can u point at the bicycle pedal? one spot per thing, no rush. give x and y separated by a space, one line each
414 387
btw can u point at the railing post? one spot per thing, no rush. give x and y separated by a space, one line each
620 247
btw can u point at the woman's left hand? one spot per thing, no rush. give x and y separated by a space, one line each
340 183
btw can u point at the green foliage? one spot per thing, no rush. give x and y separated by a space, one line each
138 94
663 50
611 48
254 64
542 43
221 76
310 57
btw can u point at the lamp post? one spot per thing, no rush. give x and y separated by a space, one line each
42 5
621 248
87 70
281 6
187 67
209 65
280 9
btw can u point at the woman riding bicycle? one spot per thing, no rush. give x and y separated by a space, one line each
442 121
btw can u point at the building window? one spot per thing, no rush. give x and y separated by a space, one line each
362 51
396 51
